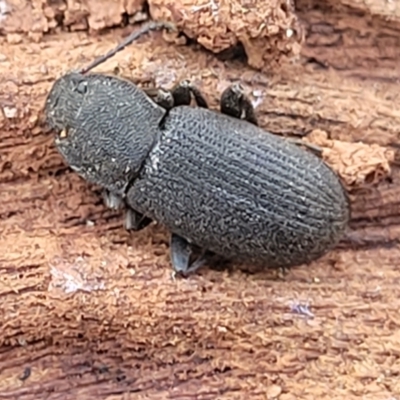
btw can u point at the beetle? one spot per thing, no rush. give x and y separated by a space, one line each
217 181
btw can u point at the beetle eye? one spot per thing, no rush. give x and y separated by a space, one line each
82 87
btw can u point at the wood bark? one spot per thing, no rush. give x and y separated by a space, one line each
91 311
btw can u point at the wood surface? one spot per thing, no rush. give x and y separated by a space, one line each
91 311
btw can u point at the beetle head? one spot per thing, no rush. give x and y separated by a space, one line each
65 100
105 126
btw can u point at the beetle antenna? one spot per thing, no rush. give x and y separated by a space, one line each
150 26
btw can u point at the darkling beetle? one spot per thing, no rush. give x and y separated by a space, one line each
220 184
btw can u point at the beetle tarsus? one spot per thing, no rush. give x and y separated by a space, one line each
181 251
183 92
162 97
135 221
236 104
180 95
112 200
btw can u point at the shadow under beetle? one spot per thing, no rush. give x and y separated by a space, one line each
217 181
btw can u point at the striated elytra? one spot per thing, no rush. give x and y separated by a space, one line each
217 181
240 192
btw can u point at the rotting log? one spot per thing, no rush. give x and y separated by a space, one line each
91 309
360 38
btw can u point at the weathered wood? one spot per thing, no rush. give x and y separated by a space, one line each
93 311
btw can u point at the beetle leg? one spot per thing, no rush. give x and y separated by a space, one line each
236 104
135 221
112 200
181 250
183 91
162 97
179 95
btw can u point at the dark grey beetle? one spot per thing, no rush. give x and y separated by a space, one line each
217 181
